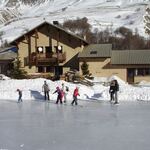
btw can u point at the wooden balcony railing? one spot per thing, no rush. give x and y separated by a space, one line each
46 59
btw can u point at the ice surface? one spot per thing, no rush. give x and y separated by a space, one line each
39 125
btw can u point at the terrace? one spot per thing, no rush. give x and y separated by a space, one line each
44 59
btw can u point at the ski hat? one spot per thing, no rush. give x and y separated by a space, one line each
57 87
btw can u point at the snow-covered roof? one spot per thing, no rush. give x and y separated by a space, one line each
43 23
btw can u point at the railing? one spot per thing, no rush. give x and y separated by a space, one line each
45 59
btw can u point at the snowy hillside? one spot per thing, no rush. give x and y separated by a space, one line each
16 15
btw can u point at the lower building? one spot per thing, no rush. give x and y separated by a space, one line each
131 66
7 56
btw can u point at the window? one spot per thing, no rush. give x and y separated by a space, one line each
93 52
136 72
142 71
49 69
40 69
147 71
26 61
48 49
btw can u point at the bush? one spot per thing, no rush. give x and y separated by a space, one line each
84 68
17 72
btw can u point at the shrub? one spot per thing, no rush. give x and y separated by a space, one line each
17 72
84 67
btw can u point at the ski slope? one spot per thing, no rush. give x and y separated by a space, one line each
101 14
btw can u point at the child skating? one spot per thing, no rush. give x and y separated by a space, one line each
112 90
65 91
75 95
59 96
20 95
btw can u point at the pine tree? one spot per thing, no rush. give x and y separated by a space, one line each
17 72
85 68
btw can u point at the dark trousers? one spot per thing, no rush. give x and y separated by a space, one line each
20 98
116 97
46 95
112 96
59 98
74 100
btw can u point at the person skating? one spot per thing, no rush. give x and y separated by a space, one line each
65 91
20 95
116 91
75 95
46 90
112 90
59 96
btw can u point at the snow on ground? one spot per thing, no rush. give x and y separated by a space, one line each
32 89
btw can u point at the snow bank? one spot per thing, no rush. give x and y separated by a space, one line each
121 82
108 79
32 90
3 77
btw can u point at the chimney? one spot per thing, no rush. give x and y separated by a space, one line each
56 23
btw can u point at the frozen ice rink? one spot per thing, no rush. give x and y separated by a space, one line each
38 125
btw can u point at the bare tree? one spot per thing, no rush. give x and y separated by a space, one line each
79 26
122 38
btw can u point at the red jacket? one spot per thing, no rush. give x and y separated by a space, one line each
76 92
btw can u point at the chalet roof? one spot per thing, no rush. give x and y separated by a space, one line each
56 26
96 51
8 53
8 56
10 48
130 57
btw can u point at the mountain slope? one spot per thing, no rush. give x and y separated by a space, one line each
18 14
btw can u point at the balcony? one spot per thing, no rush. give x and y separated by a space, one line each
45 59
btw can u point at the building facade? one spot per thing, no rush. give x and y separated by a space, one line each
48 48
7 56
131 66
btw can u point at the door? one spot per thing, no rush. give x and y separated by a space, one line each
130 75
58 70
48 51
